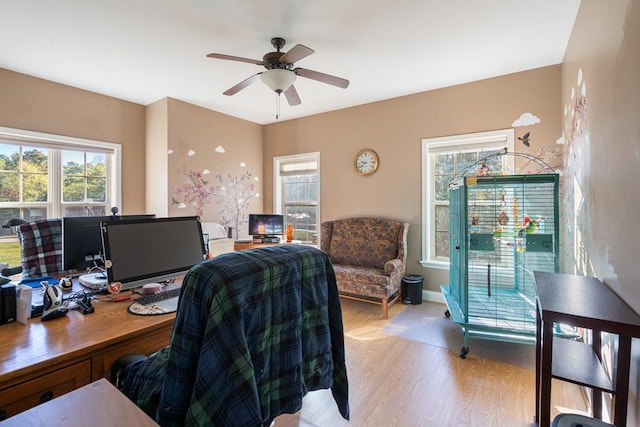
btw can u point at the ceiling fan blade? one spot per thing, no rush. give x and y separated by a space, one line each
292 96
322 77
296 53
234 58
237 88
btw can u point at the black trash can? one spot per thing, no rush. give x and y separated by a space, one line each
412 289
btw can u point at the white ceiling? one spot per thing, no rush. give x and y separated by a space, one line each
145 50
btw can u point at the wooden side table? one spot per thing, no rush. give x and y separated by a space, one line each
588 303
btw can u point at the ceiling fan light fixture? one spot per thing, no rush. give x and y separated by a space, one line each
278 80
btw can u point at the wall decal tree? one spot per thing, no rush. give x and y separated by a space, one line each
234 194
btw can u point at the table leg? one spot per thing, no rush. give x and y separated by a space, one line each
597 395
538 357
622 381
546 361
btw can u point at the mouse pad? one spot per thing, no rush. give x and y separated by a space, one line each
35 282
148 310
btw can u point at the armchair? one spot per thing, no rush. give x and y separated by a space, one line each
369 256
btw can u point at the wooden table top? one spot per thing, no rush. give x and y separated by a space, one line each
98 404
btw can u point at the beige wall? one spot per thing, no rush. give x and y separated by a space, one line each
39 105
225 153
603 155
394 129
156 159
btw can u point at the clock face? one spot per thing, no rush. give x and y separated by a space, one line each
366 162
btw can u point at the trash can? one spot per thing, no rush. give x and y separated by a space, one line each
412 289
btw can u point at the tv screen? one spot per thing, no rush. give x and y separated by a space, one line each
145 251
82 240
266 225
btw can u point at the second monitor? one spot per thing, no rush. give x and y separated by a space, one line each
267 225
82 240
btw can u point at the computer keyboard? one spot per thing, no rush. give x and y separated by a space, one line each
160 296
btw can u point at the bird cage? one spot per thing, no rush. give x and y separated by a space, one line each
502 229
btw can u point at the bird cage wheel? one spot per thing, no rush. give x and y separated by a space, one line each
447 313
463 352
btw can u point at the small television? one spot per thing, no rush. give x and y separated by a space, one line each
269 225
82 240
138 252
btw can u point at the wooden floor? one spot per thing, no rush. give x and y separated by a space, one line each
397 382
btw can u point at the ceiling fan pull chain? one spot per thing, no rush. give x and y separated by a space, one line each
277 106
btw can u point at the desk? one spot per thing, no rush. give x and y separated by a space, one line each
240 246
98 403
43 360
588 303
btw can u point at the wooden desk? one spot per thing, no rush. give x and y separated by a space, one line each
43 360
239 246
98 403
588 303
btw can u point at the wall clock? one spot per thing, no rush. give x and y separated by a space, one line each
366 162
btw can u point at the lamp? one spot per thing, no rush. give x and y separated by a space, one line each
278 79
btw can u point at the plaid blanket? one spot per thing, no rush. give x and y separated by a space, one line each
41 247
254 332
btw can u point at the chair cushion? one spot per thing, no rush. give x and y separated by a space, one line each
366 242
41 247
363 281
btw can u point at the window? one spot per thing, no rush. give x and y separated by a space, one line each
443 160
297 190
46 176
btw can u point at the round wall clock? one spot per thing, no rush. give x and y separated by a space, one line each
366 162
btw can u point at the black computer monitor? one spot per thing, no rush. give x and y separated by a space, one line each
82 240
266 225
146 251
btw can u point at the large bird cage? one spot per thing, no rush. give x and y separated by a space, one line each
502 229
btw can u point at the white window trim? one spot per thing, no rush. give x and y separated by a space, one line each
49 140
277 185
472 141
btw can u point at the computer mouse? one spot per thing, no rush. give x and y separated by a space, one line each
53 303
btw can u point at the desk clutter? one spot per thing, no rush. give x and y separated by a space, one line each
50 298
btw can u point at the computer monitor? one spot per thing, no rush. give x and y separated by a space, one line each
266 225
82 240
146 251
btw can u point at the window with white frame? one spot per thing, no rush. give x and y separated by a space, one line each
444 160
45 176
297 194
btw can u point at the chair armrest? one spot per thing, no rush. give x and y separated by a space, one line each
392 266
120 365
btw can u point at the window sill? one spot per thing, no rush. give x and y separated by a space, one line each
439 265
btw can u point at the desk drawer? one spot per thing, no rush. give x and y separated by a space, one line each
28 394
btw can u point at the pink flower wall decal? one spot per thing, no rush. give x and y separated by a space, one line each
195 192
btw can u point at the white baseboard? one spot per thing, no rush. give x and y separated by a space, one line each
432 296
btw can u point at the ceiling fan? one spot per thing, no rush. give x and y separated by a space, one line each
281 74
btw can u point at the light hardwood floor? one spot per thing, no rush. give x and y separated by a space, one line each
397 382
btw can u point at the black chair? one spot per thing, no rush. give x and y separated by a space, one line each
11 227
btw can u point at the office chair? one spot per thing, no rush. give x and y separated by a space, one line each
255 331
11 227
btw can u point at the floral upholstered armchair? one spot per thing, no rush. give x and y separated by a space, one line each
369 256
